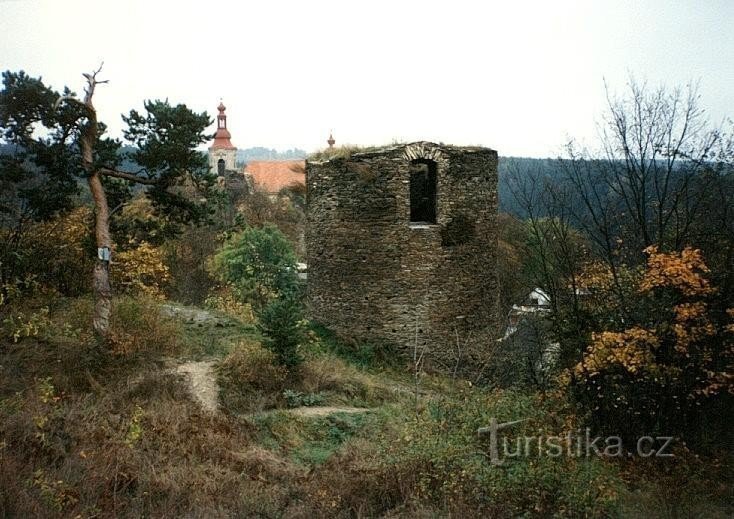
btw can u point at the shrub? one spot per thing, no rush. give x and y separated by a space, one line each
140 270
250 378
57 254
138 327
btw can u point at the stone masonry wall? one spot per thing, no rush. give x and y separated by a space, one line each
374 276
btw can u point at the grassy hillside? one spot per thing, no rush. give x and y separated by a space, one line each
87 433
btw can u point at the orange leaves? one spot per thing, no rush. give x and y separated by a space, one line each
686 312
688 340
691 324
596 276
682 271
631 349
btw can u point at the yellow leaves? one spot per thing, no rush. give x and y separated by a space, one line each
140 270
69 229
685 312
596 276
631 349
683 271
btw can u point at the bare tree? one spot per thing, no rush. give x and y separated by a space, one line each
646 187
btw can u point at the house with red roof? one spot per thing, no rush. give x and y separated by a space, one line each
267 176
272 176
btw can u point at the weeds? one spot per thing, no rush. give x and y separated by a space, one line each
85 432
298 399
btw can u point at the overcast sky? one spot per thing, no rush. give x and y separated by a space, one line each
519 77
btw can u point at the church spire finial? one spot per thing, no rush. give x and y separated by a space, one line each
221 118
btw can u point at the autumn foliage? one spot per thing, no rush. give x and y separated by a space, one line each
672 361
57 255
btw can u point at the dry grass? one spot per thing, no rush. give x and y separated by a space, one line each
342 382
90 433
126 450
249 379
342 152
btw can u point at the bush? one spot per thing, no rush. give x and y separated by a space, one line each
250 378
660 371
138 327
140 270
56 255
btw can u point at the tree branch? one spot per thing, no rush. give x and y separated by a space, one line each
127 176
67 98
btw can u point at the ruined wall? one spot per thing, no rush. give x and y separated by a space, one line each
375 276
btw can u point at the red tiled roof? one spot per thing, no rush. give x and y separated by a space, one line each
222 140
222 137
272 176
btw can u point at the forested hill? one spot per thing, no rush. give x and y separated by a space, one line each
260 153
508 168
513 171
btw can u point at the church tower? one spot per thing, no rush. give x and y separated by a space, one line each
222 153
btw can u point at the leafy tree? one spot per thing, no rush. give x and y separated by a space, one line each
58 140
260 264
660 175
658 372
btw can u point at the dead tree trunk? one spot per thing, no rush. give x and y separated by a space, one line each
101 276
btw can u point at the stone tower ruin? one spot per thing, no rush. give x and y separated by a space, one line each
402 243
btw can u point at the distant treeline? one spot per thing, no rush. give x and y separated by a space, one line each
260 153
541 172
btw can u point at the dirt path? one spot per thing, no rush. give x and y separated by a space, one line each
200 376
202 383
202 379
190 315
324 410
